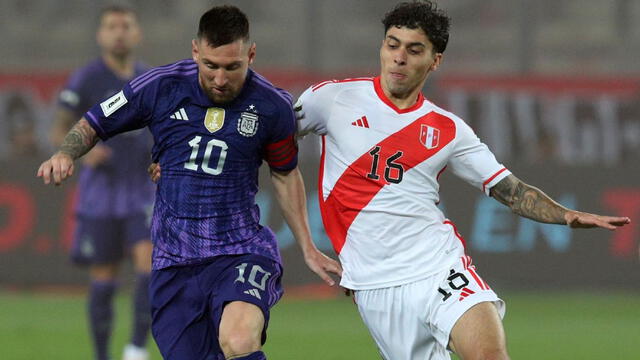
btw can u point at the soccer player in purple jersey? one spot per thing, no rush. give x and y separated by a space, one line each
114 196
216 270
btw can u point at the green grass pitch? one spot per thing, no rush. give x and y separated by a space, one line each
555 325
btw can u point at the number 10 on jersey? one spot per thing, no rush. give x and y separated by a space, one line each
192 164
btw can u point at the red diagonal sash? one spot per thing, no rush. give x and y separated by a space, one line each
354 190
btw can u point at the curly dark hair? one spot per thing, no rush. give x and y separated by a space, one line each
223 25
424 15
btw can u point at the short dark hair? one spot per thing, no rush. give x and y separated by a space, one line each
424 15
117 9
223 25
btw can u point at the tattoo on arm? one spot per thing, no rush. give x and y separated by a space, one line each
80 139
528 201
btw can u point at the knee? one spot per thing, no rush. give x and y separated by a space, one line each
239 342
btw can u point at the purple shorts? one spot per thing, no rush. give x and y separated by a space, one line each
107 240
187 301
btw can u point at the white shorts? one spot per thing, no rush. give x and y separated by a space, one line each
413 321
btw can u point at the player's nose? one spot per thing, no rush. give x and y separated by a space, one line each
220 78
400 57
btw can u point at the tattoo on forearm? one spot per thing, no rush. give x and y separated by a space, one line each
80 139
528 201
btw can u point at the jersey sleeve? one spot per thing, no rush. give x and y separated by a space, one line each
473 161
312 111
72 96
281 150
124 111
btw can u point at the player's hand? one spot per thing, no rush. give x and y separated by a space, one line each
97 156
154 172
322 265
58 168
577 219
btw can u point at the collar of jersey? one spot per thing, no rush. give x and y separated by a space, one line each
378 87
202 99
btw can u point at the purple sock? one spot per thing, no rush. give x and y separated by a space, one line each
258 355
141 311
101 316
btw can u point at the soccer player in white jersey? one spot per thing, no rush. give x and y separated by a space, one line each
383 147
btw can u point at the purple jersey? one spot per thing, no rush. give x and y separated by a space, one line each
210 155
120 187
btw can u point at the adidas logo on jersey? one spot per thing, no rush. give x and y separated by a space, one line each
253 292
362 122
179 115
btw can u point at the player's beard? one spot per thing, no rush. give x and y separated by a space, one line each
120 52
227 96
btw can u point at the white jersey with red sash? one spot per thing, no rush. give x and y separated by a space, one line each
378 183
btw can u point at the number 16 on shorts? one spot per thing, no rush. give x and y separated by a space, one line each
462 281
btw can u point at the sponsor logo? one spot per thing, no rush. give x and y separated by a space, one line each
465 292
362 122
214 119
180 115
113 103
248 124
253 292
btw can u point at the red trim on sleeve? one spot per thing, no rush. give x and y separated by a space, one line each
484 184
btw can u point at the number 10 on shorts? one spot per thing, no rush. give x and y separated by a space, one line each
256 272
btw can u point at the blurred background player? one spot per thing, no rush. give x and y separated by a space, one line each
114 195
384 148
216 270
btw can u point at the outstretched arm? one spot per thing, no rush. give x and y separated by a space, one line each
290 193
63 121
80 139
530 202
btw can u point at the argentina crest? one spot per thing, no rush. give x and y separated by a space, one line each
214 119
248 124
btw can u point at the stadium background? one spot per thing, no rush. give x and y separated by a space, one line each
552 86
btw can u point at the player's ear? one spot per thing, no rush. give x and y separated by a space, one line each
437 60
252 53
194 50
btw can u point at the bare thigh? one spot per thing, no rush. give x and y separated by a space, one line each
479 334
240 329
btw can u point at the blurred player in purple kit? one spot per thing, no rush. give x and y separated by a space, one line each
216 270
114 197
